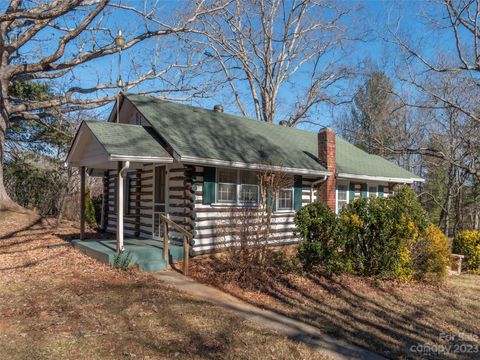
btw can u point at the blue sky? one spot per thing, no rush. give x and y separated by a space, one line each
374 16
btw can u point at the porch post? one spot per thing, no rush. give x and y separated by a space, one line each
82 202
119 207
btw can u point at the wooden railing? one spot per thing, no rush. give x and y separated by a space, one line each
187 236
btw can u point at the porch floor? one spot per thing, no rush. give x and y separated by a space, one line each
147 254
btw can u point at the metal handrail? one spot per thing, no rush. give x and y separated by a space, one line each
187 236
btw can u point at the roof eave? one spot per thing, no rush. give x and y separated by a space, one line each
243 165
380 178
133 158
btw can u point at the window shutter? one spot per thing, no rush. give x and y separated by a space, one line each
364 190
351 192
269 200
380 191
297 192
209 185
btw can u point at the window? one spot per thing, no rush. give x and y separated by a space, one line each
227 186
234 186
285 199
358 191
342 197
372 192
248 187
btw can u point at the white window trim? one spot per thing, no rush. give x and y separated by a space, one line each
347 185
277 207
369 185
238 185
166 203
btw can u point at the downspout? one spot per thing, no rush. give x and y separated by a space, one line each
121 176
316 182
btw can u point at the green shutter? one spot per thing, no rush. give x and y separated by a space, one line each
364 190
380 191
208 185
351 192
297 192
269 198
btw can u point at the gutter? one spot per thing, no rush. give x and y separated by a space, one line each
120 214
379 178
316 182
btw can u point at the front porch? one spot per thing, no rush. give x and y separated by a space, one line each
147 254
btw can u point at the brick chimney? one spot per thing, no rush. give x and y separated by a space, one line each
327 157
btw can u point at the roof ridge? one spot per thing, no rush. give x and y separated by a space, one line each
109 123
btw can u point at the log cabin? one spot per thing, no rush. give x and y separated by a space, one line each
161 159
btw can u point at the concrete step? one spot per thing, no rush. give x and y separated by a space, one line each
154 265
147 254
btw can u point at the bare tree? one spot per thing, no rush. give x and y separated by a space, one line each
449 148
247 231
52 40
461 19
259 47
443 122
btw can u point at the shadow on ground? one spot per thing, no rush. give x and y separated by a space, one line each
389 318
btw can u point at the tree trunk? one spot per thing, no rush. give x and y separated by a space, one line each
5 200
447 205
458 212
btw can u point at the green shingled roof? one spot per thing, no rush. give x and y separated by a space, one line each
352 160
206 134
127 140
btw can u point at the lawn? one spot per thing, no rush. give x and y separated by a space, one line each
58 303
394 319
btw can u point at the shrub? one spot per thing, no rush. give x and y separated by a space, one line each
122 260
281 262
316 224
377 239
467 243
405 202
389 237
431 255
90 210
34 183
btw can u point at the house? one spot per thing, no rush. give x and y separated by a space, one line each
196 164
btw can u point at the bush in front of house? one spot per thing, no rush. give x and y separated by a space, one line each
377 238
467 243
431 255
405 203
388 237
316 224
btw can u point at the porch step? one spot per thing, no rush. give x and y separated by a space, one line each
147 254
153 265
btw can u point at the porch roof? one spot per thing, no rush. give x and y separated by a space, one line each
99 144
